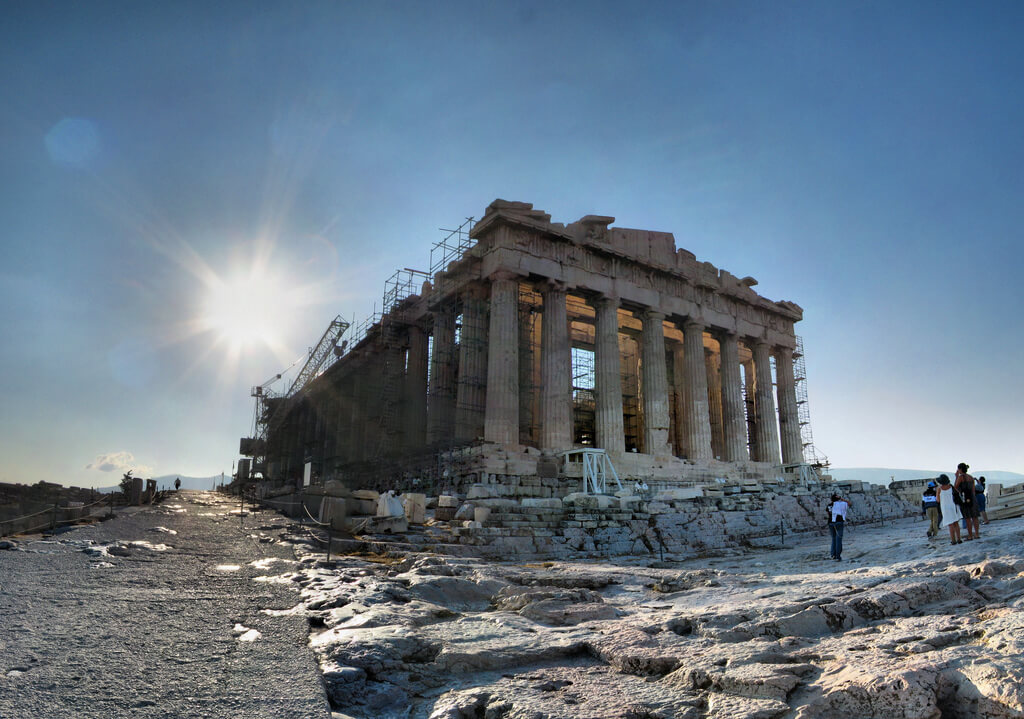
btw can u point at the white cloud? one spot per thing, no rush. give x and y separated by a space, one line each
119 462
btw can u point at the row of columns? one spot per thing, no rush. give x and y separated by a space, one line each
475 386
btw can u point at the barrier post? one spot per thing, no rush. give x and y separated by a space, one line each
53 522
330 536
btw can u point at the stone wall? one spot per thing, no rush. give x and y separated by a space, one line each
583 525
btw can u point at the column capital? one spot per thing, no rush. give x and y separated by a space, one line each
651 314
602 299
693 323
474 291
504 274
551 285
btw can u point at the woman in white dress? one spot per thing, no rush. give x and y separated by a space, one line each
951 515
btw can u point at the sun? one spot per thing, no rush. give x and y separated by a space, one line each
245 310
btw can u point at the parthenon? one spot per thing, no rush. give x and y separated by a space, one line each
538 337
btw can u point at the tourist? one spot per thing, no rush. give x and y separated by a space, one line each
948 505
177 484
836 522
930 509
979 495
964 484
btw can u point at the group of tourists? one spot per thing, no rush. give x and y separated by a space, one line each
947 504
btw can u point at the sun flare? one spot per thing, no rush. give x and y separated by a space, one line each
246 310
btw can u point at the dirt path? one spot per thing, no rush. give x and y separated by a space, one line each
92 625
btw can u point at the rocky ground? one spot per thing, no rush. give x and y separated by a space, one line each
155 614
902 627
128 619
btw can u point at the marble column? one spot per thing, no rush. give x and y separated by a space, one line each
501 415
392 377
654 377
360 417
767 428
610 433
789 419
680 436
556 428
343 425
750 405
441 405
733 421
529 375
698 419
415 390
711 369
472 385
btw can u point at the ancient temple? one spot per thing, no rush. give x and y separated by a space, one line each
539 337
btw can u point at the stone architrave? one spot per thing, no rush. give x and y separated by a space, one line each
556 426
441 407
608 376
415 390
501 418
767 427
789 420
655 383
732 400
698 419
472 385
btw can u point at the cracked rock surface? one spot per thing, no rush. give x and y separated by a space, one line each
156 614
902 628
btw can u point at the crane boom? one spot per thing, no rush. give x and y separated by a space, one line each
318 354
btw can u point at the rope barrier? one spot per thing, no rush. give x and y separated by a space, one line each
312 519
50 524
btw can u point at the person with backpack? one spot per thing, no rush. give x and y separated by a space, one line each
930 508
979 495
837 509
964 484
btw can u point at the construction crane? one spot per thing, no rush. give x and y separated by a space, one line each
271 408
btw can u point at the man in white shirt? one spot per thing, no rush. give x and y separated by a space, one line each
837 509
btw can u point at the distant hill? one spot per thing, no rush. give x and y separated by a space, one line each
881 475
167 482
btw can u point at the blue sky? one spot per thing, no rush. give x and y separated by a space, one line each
160 160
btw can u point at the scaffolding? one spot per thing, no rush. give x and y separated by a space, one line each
811 454
451 248
584 403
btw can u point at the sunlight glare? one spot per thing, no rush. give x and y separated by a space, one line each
244 310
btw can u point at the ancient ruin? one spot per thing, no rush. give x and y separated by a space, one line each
530 339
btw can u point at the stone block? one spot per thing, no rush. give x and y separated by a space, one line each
445 514
415 507
480 491
333 508
466 511
334 488
543 503
480 515
446 500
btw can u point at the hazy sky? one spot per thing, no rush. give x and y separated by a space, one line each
160 160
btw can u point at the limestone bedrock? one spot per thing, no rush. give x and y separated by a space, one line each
901 628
